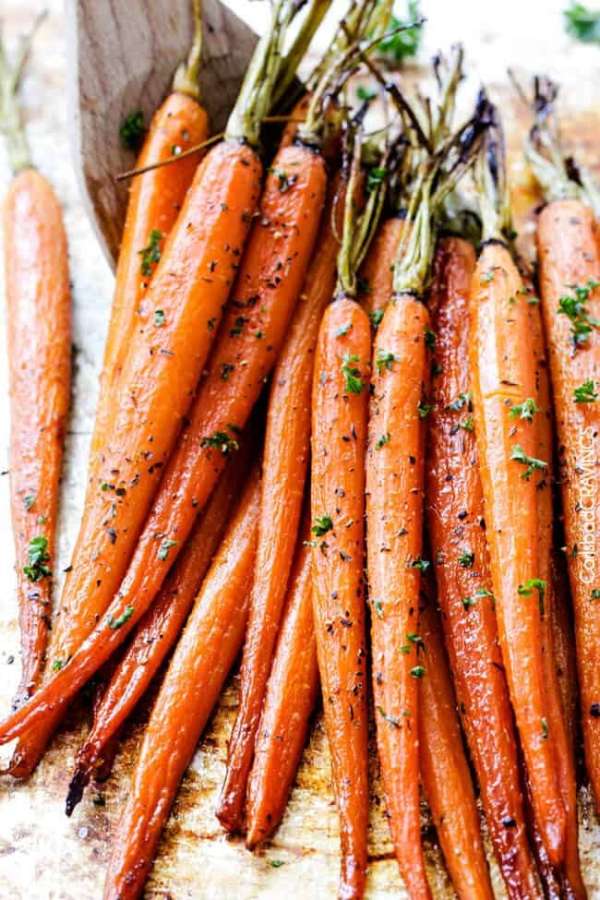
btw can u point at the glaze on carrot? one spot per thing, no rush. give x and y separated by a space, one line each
455 520
377 273
38 317
444 768
204 655
503 376
164 360
339 422
156 632
289 702
286 452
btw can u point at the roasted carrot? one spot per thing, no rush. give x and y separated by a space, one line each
377 274
290 699
164 360
38 315
455 523
503 379
155 200
157 631
191 688
556 725
444 768
339 422
569 266
564 644
266 289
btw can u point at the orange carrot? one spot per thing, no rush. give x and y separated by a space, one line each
445 771
564 645
164 360
267 287
377 273
458 542
285 461
155 200
503 379
556 725
339 421
38 315
157 631
569 265
194 680
289 701
394 546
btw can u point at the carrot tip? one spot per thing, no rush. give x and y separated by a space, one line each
77 786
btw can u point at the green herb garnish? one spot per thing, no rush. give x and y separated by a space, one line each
37 556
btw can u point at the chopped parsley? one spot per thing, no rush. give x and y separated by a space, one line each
534 584
466 559
525 410
382 441
132 130
376 316
421 564
424 409
122 619
57 665
163 550
586 392
582 23
28 501
37 557
417 671
151 252
574 307
385 360
322 525
159 318
478 595
353 381
531 462
595 593
365 94
467 424
462 401
221 441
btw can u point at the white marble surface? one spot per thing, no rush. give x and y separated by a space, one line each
43 855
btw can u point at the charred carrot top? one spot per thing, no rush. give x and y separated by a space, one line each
503 378
455 519
203 657
569 255
192 281
445 770
285 468
38 307
155 200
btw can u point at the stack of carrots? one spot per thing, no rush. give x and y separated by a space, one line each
314 371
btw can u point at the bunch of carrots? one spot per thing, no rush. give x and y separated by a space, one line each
342 430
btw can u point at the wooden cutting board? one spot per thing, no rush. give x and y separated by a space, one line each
44 855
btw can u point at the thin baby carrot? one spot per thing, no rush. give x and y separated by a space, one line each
289 701
377 272
38 315
455 520
564 644
191 687
445 770
266 289
155 199
503 376
157 631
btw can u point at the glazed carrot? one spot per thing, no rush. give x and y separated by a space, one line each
38 316
285 461
266 289
203 657
556 725
394 545
339 421
569 256
289 702
157 631
458 543
164 360
377 274
155 199
445 771
503 377
564 644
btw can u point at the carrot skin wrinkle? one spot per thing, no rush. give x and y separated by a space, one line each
339 422
394 545
462 569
